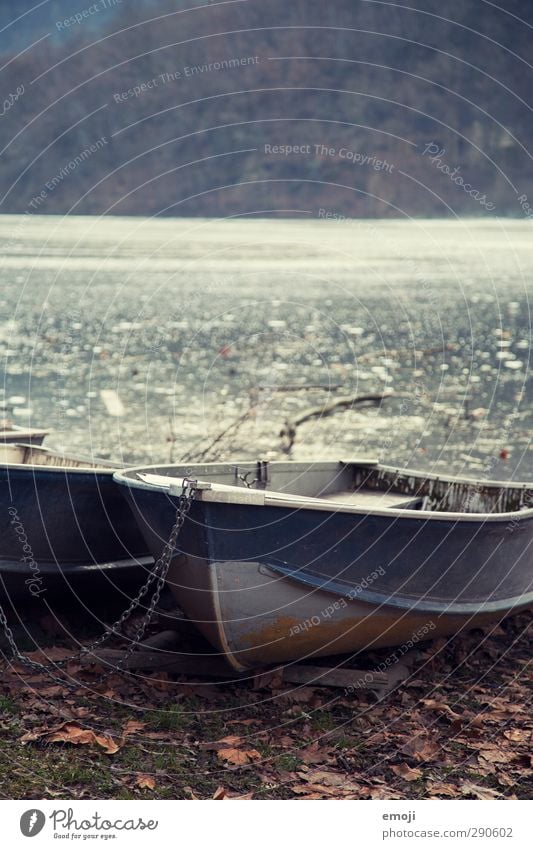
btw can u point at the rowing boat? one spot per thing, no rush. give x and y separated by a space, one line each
283 561
65 525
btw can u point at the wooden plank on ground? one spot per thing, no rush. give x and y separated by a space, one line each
159 653
185 664
322 676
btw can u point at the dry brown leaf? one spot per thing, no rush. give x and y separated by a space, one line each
238 757
422 749
145 782
441 707
323 790
499 709
348 790
83 736
518 735
385 793
313 754
233 756
319 791
443 789
132 726
191 793
496 755
506 780
406 772
35 734
52 692
69 732
485 768
328 779
232 741
80 712
468 789
222 793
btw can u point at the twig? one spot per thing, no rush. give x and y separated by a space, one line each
288 431
235 424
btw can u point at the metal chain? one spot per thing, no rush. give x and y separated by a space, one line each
158 575
159 572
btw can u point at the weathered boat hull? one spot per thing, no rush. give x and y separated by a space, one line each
254 617
64 527
271 582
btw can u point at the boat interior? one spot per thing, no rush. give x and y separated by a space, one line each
355 483
18 454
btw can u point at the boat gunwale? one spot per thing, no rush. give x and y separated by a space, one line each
108 469
239 495
18 430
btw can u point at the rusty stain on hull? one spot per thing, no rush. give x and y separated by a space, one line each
362 633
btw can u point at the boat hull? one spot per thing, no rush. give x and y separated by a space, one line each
275 584
64 529
253 617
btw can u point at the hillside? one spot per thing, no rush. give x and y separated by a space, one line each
350 108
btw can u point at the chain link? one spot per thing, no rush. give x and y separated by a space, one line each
157 575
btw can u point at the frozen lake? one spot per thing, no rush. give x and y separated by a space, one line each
144 339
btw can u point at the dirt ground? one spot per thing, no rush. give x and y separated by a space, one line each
460 726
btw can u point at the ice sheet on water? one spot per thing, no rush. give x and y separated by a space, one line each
186 338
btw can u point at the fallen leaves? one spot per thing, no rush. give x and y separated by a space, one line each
69 732
221 793
132 727
329 779
239 757
497 755
406 772
384 792
320 784
314 754
76 735
451 732
519 735
438 789
145 782
231 750
441 708
478 792
422 749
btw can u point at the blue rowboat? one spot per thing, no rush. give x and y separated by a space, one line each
65 526
284 561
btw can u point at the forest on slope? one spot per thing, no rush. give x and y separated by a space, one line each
347 108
